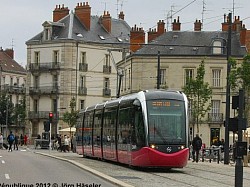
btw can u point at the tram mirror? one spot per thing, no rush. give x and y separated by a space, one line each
137 104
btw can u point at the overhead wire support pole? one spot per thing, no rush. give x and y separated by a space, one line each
227 117
158 70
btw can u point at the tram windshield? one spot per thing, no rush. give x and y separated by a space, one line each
166 121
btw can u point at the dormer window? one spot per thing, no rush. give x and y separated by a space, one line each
217 47
47 34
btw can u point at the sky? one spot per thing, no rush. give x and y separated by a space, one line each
20 20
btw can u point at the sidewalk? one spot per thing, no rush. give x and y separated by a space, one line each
79 161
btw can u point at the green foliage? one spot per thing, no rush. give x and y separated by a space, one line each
199 94
6 109
240 75
71 116
20 112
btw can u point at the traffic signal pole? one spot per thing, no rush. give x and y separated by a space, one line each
227 117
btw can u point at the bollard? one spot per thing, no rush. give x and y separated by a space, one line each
218 156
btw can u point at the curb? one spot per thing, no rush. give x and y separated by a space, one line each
103 176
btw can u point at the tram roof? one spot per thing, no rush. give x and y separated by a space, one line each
142 95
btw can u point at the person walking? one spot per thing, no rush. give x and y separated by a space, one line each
196 143
16 142
1 141
10 139
25 139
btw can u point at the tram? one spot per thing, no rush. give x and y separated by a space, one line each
144 129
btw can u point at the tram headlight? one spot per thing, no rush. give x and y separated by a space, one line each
152 146
182 147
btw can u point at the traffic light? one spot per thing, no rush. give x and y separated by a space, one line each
50 117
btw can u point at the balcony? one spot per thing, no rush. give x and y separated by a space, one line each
39 67
106 69
37 115
82 90
106 92
14 89
215 118
83 67
47 90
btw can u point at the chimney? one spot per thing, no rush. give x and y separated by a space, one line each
121 15
160 27
225 25
197 25
243 34
137 37
10 53
60 12
237 25
152 34
176 25
83 12
106 21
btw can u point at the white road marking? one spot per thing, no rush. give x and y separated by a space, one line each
23 150
1 156
7 176
3 162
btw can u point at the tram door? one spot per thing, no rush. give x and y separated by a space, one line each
87 133
124 132
108 138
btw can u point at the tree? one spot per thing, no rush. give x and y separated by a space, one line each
199 94
240 78
20 112
6 109
71 117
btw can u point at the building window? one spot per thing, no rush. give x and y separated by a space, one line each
82 81
55 81
216 73
107 60
11 81
106 83
189 74
81 104
35 106
163 77
56 57
125 78
215 106
54 105
129 78
217 47
36 81
83 57
37 57
3 80
46 34
17 81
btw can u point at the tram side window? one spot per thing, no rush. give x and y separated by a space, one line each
125 125
87 137
109 125
79 130
139 129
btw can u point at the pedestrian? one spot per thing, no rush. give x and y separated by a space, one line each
196 143
59 141
25 139
1 141
66 144
16 142
10 139
21 139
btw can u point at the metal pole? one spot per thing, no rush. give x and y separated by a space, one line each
49 137
239 163
226 147
158 71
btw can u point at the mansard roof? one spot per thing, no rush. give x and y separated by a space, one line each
70 28
192 43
